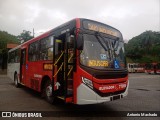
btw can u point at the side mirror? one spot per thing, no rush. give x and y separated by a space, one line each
80 42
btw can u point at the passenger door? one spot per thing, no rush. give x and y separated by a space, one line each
58 74
23 66
63 67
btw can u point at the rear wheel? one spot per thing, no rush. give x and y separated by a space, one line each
48 92
16 80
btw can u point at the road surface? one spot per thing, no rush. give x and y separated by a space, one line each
144 95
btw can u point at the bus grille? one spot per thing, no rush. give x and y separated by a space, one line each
110 76
109 94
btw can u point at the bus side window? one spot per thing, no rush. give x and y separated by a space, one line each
46 49
17 56
12 57
9 57
33 51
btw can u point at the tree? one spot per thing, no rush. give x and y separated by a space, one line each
6 38
25 36
144 47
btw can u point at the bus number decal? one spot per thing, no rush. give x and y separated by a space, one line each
122 86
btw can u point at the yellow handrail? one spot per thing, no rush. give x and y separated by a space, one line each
70 57
58 58
58 70
69 71
62 64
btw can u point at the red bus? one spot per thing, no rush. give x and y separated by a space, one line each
152 68
81 62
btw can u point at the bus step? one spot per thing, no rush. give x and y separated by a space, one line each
61 97
69 92
70 81
70 63
22 84
69 99
70 84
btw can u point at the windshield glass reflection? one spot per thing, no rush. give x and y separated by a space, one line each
98 56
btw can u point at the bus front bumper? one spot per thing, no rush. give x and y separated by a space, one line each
85 95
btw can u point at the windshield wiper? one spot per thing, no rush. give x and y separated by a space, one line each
106 49
98 34
116 46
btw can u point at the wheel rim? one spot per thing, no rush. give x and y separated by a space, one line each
16 82
49 91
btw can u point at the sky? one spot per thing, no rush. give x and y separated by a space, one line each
131 17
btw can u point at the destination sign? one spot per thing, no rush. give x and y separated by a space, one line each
98 63
99 28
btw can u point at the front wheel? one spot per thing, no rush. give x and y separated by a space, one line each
48 92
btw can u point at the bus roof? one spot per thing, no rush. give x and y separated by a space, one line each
68 25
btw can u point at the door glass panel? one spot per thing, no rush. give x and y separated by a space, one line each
23 57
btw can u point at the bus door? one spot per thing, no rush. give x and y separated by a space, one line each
58 67
69 67
63 68
23 66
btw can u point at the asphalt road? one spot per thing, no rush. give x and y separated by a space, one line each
144 95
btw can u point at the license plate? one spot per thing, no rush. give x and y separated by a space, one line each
116 97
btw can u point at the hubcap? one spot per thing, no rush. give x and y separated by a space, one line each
49 91
16 81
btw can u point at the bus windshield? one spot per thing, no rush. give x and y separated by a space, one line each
102 53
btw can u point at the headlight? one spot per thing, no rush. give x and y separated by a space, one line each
87 82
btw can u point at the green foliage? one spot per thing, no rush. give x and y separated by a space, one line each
6 38
25 36
144 47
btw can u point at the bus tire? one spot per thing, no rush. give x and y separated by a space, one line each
16 80
48 92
